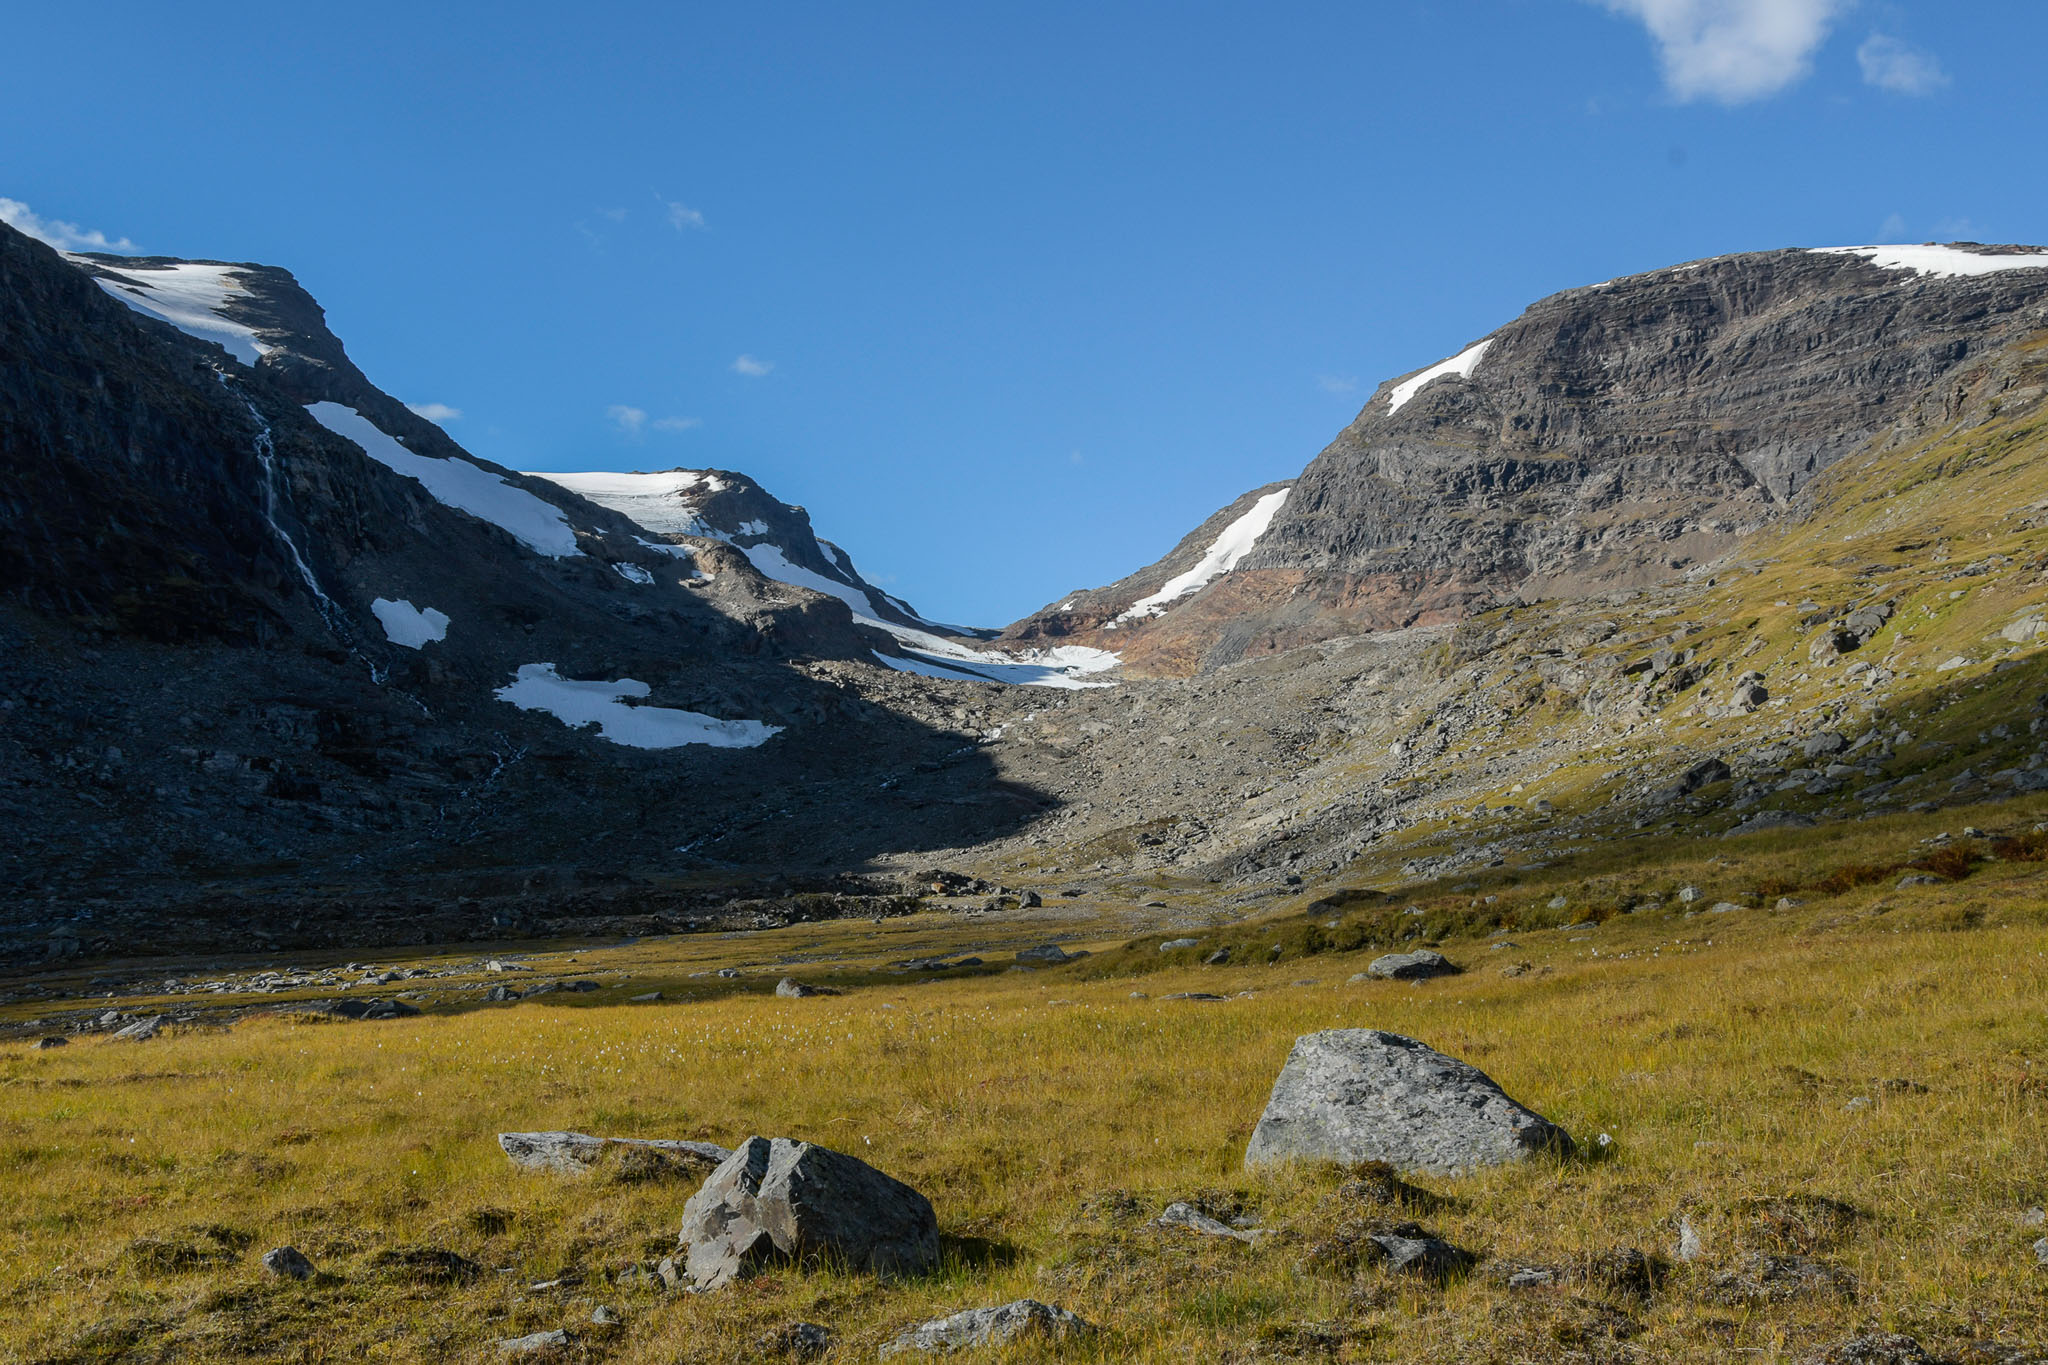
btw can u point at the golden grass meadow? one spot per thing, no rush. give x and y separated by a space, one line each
1860 1079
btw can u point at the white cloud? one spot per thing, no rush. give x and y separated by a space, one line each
64 236
630 421
752 368
1337 383
677 423
1890 64
1732 51
680 216
613 215
436 412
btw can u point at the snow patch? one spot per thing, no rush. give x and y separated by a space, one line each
1940 262
408 625
540 526
1462 364
1221 557
577 704
1067 666
633 573
189 297
655 501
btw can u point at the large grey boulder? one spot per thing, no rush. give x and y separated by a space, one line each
580 1153
784 1200
1358 1095
1416 966
997 1326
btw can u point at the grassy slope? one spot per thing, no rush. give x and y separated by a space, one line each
1719 1051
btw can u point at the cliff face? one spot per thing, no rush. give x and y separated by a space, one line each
1611 436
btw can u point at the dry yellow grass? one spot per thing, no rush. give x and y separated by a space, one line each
1720 1053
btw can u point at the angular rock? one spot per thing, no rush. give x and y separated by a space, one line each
288 1262
1182 1215
1358 1095
537 1344
1050 954
1176 944
784 1200
373 1009
45 1044
1408 1250
1026 1318
580 1153
1416 966
789 988
142 1030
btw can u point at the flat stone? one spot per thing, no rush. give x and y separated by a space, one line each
1194 995
142 1030
1359 1095
1416 966
1182 1215
537 1344
782 1200
1000 1326
1174 945
580 1153
789 988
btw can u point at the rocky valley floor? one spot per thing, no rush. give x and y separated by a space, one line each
1802 1069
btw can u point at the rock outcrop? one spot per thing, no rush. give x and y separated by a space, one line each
563 1153
1611 437
1023 1320
1359 1095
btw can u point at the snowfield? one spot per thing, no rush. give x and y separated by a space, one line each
540 526
1067 666
655 501
408 625
577 704
1939 262
1221 557
190 298
1462 364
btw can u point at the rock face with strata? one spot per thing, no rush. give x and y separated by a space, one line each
1358 1095
777 1199
1612 436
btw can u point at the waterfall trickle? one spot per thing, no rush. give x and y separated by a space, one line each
266 455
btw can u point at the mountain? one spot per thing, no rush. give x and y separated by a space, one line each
1754 543
1611 437
275 651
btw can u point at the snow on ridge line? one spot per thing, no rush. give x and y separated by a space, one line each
1939 262
577 704
1462 364
187 296
537 524
1066 667
654 501
1221 557
408 625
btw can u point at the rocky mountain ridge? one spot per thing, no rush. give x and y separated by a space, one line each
280 661
1615 436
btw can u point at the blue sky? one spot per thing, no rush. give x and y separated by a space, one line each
1009 296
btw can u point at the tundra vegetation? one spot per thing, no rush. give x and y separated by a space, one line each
1833 1086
